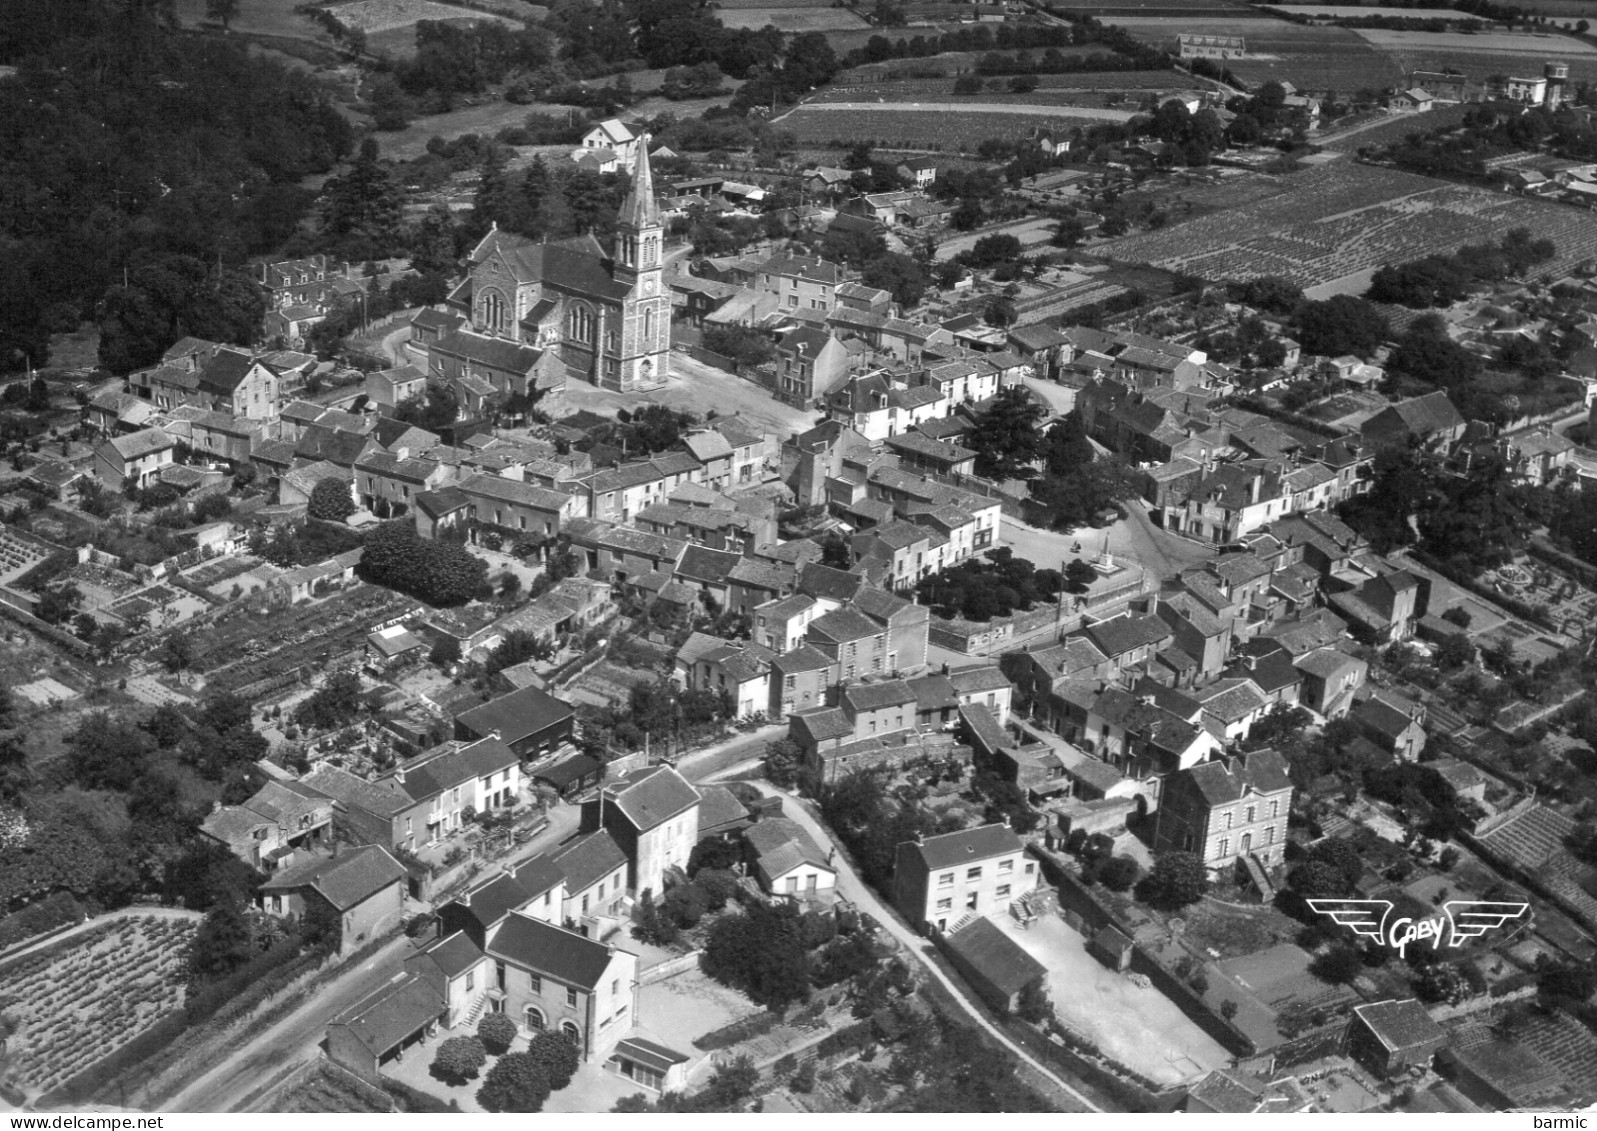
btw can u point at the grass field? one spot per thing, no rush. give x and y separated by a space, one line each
1494 53
1396 128
1312 57
1057 90
255 17
1341 220
1355 11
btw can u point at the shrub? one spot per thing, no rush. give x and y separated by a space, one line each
514 1083
459 1059
556 1058
496 1032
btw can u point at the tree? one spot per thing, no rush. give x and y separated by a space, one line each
459 1059
1079 575
364 207
1340 964
760 952
435 409
1120 873
1177 879
330 500
1006 437
783 759
1033 1004
1340 325
1228 1009
59 604
904 278
497 1032
221 944
439 573
557 1058
221 11
515 1083
391 109
1454 651
445 653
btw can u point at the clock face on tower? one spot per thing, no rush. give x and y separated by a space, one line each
648 286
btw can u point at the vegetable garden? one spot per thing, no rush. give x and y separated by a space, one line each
1338 220
75 1005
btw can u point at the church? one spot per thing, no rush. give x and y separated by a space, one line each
606 318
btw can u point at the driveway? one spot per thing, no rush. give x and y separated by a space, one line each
852 888
1136 1025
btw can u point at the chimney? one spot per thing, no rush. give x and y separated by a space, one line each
399 775
216 806
945 669
1254 486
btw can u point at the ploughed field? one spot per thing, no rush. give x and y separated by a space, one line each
1334 221
1312 57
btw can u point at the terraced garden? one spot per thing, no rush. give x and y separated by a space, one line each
1337 221
77 1005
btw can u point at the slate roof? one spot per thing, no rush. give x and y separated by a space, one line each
995 956
966 846
384 798
775 577
392 1015
345 880
700 563
516 493
587 860
563 955
478 760
824 581
780 845
1221 783
1127 633
517 715
719 810
875 696
455 954
648 798
142 443
1399 1024
933 692
822 723
801 659
649 1054
842 625
981 677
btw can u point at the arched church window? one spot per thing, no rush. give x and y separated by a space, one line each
648 326
579 324
495 314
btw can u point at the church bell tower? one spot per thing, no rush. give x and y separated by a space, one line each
640 264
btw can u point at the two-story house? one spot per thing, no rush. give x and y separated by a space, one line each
1330 677
280 824
799 282
529 721
800 679
810 364
521 507
856 643
653 814
476 778
938 881
1227 810
139 456
551 979
239 383
364 886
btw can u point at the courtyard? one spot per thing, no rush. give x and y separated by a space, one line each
1137 1026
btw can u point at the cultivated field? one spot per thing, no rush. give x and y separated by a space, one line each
1355 12
1340 220
1313 57
948 126
1065 90
1489 53
793 19
373 16
78 1005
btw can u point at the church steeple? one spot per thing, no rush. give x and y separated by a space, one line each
639 208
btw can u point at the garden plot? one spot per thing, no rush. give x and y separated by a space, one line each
1339 220
76 1006
43 692
372 16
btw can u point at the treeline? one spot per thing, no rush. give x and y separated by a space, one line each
467 58
1133 54
124 144
1491 130
1440 280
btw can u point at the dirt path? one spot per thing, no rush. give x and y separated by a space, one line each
853 888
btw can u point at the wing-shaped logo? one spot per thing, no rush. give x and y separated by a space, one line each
1472 918
1367 917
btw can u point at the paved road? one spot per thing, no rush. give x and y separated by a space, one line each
852 888
293 1039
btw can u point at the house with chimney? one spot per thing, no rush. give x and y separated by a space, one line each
1393 723
531 722
364 887
1227 811
940 882
653 814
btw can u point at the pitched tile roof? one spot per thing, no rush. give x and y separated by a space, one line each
587 860
780 845
517 715
392 1015
1222 782
345 880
